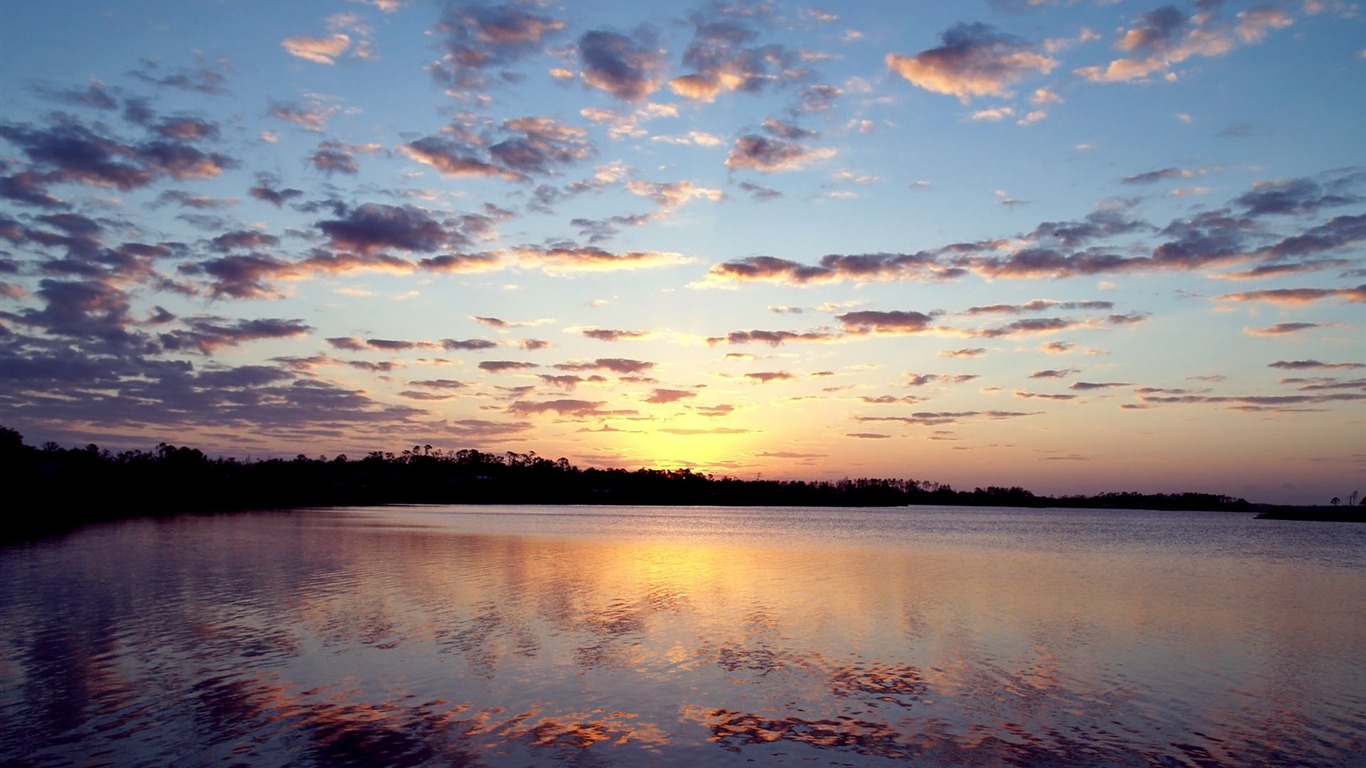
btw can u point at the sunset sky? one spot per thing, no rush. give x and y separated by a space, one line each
1073 245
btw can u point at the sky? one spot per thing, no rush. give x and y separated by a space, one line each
1071 245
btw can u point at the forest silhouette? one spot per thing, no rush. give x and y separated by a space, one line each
70 487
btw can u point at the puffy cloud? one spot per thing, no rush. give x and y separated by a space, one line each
266 190
773 155
312 115
322 50
628 69
1298 196
70 151
671 195
338 157
722 60
1165 37
374 226
539 144
974 60
478 37
450 157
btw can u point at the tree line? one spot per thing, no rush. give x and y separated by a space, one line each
68 487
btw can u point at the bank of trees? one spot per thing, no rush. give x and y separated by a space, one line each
54 488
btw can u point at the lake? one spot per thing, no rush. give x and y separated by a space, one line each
618 636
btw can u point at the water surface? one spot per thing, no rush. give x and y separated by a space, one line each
512 636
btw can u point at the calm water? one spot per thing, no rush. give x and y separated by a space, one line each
517 636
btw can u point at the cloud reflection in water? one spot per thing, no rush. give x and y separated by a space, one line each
422 638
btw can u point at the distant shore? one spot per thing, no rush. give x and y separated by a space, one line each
1339 514
77 486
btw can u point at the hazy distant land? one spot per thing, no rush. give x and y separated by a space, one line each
87 484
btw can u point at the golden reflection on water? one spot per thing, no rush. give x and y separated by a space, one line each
397 638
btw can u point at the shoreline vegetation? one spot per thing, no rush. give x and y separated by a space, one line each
78 486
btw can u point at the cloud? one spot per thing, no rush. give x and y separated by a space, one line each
338 157
1298 296
721 60
1054 373
374 226
438 384
662 396
897 322
206 78
613 334
923 379
265 190
568 259
206 334
1282 329
771 338
626 68
773 155
1165 37
537 145
70 151
1087 386
974 60
500 366
321 50
312 115
1300 365
968 352
479 37
1162 174
570 381
1038 305
450 157
941 418
619 365
764 377
1297 196
1256 403
577 408
451 345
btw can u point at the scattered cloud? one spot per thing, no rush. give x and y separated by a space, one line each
973 61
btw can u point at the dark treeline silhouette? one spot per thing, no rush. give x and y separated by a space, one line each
67 487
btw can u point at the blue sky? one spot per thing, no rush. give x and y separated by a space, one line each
1074 246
